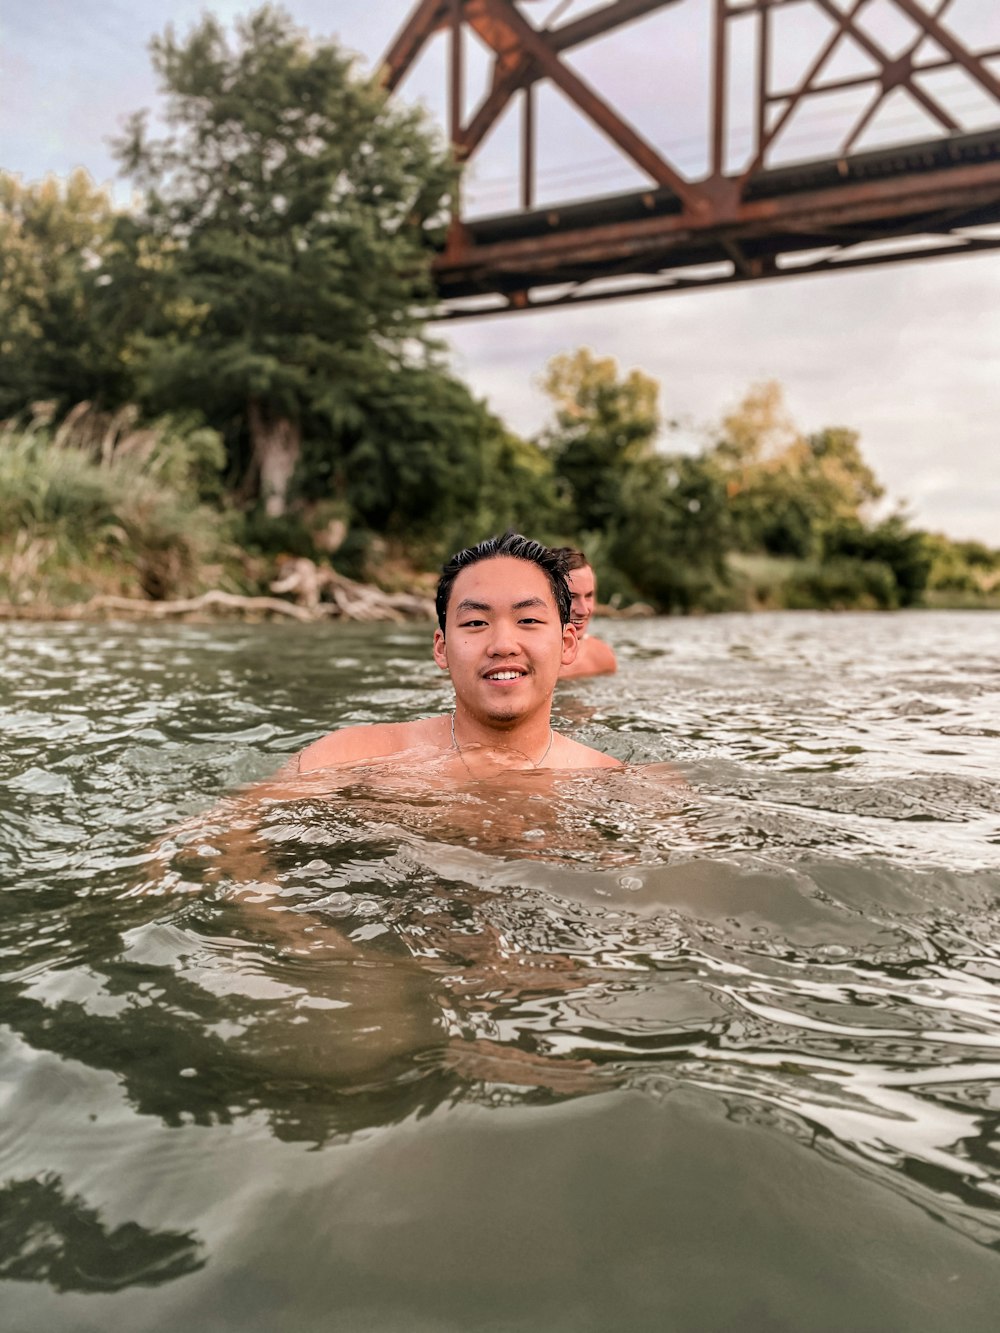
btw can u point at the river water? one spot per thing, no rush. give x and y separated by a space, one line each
712 1043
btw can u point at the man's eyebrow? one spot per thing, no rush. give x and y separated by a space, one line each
467 604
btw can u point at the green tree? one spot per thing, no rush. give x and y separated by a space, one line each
415 458
785 489
425 459
904 551
293 203
59 339
962 566
519 488
672 532
605 421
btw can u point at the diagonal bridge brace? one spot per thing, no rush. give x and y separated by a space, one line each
757 218
525 54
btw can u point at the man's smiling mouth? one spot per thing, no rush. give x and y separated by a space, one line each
505 673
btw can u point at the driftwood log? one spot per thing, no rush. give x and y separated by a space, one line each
308 594
322 591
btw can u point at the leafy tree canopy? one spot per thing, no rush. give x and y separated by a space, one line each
604 421
425 459
294 203
787 489
57 240
672 532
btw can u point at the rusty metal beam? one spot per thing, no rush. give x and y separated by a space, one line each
456 91
861 80
512 70
621 134
805 83
881 208
528 150
719 68
858 203
846 25
409 41
430 15
676 285
600 21
762 73
946 40
510 73
903 62
904 78
745 225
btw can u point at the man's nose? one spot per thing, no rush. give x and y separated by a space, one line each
503 641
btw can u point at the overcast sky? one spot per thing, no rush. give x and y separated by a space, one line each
906 355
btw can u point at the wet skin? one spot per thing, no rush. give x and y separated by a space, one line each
504 648
595 657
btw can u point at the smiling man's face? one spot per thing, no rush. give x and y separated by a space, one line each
583 588
503 645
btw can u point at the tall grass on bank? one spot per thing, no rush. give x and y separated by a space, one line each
104 503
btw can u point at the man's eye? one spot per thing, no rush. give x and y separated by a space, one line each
530 620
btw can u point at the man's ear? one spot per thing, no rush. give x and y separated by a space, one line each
441 651
571 644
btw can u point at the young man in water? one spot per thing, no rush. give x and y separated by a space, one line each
595 657
504 634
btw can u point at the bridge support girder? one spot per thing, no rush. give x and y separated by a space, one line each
736 223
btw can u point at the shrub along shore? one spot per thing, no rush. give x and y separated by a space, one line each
107 515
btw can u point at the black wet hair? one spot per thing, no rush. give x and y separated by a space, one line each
551 563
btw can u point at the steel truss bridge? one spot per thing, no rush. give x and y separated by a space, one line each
754 210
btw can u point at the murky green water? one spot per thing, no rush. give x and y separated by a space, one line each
588 1053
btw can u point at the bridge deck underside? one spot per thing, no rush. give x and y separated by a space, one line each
909 202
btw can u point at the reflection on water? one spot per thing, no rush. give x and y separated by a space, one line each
572 1045
45 1237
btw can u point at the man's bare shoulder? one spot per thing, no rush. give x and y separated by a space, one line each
595 658
379 740
572 754
603 656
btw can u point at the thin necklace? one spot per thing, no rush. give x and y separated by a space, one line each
534 763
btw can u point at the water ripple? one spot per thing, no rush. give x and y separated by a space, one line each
805 928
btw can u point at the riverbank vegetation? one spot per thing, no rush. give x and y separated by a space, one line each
236 370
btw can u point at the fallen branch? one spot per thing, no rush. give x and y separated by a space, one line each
225 601
352 601
141 608
322 590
